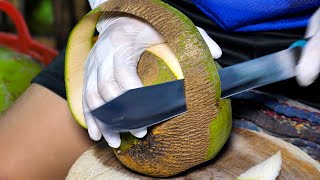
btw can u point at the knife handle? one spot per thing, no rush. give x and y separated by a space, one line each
300 43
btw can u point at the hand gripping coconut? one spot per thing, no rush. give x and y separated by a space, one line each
186 140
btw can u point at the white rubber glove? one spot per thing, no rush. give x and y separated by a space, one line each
110 69
308 67
95 3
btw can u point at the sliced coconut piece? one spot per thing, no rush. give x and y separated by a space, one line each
267 170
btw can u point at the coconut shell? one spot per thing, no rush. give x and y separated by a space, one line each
184 141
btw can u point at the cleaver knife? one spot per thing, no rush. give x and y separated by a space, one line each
147 106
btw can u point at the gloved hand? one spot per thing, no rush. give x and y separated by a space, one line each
110 69
308 67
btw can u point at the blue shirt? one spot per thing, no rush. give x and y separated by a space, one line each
258 15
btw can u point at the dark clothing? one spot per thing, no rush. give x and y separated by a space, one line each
236 48
52 77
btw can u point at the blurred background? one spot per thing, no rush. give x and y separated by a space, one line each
49 21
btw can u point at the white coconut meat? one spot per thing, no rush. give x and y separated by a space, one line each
267 170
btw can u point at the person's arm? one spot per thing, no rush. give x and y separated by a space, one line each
39 139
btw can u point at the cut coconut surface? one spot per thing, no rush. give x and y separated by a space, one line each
267 170
245 149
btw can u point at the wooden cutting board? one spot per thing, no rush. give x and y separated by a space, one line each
243 150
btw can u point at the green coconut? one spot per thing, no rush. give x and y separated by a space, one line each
16 72
181 142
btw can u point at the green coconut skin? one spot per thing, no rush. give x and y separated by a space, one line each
16 72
